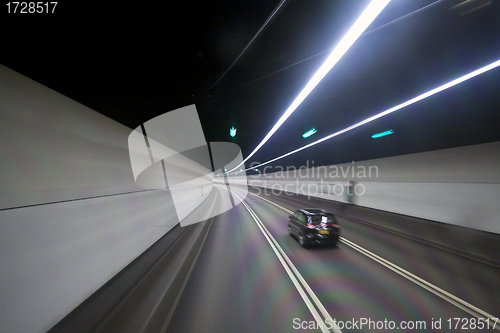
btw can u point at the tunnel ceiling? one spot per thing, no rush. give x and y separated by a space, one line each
132 62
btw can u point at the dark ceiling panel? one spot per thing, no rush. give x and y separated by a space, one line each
135 62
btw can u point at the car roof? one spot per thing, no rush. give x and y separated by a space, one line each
314 211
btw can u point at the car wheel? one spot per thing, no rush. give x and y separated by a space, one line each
290 231
301 241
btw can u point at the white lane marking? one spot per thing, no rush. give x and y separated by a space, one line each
302 280
458 302
284 260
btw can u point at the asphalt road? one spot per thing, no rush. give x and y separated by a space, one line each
239 284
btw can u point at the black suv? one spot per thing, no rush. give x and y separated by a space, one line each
314 226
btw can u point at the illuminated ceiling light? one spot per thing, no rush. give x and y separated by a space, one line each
379 135
309 133
366 18
395 108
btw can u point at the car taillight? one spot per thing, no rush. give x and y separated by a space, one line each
311 226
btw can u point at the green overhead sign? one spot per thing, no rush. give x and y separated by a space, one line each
309 133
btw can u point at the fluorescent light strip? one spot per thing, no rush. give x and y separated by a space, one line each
391 110
366 18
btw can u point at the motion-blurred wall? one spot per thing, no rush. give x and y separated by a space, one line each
459 186
71 215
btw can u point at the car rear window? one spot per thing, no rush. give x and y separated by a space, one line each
317 219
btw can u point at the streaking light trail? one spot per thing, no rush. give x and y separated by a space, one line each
366 18
393 109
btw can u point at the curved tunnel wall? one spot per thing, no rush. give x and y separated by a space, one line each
460 186
71 215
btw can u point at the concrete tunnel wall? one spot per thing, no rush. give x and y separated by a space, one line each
459 186
71 215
